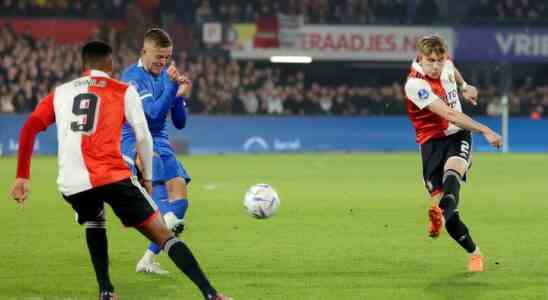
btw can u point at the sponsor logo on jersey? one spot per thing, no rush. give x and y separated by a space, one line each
423 94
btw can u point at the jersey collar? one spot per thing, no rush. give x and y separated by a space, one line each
415 65
95 73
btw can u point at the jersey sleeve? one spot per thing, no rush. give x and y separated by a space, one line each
44 111
42 116
154 108
133 110
419 92
178 112
139 85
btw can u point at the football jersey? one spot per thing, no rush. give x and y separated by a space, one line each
89 112
420 91
157 94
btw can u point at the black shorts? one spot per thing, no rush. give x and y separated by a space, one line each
128 200
435 153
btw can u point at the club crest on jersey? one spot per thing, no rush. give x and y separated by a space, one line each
451 78
423 94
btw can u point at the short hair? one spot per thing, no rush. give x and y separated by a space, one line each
158 37
95 53
432 44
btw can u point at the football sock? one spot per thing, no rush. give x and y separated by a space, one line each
179 207
459 232
155 249
98 249
185 261
451 188
159 194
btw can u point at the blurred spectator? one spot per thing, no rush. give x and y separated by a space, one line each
30 68
110 9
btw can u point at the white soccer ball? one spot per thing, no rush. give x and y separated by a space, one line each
261 201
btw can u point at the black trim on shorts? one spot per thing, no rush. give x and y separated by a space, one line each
128 201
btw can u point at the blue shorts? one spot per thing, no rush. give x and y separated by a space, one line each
165 165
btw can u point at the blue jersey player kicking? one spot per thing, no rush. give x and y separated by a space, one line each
162 91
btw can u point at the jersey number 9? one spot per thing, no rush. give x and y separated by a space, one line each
84 105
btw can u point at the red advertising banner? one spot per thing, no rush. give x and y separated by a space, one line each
61 30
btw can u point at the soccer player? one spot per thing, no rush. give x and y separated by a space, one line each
89 112
444 135
162 90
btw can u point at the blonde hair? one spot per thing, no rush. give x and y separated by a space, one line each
432 44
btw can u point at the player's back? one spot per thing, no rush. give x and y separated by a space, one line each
89 113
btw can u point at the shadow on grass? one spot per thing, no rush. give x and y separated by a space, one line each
462 285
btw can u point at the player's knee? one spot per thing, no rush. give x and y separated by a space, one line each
176 188
456 164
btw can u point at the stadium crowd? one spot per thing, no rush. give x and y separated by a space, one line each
29 68
509 11
74 8
364 11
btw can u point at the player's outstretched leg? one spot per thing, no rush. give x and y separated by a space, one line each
180 254
148 263
459 232
451 191
441 213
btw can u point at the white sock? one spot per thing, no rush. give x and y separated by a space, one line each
170 219
149 256
476 251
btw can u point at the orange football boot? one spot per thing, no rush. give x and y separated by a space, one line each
435 221
476 263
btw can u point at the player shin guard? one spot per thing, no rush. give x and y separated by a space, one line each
185 261
96 237
451 188
179 207
459 232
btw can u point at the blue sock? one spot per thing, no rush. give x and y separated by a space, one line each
159 194
179 207
154 248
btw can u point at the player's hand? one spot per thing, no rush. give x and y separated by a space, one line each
185 86
470 93
172 72
493 138
147 184
20 190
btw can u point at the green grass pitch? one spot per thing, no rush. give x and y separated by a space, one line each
350 226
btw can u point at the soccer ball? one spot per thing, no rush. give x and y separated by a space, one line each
261 201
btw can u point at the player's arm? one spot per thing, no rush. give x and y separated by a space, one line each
420 93
153 108
469 92
38 121
178 110
136 118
